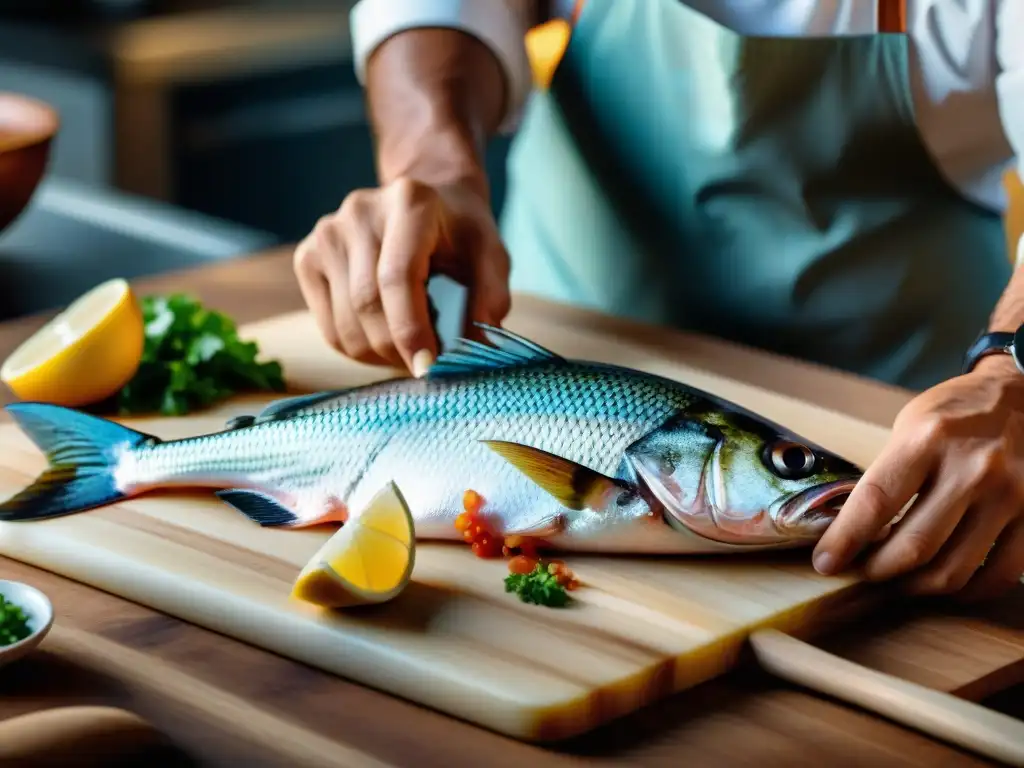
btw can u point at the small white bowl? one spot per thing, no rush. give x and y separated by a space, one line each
39 611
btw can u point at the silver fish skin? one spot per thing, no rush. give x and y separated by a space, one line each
585 456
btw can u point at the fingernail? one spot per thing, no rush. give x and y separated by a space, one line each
824 563
421 363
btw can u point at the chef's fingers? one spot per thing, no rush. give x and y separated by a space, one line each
363 252
1003 568
964 552
924 530
885 488
411 235
315 290
489 300
350 334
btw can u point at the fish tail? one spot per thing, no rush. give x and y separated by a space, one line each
83 452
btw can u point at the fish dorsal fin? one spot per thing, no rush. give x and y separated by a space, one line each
288 406
504 350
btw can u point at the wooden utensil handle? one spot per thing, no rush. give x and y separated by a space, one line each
294 744
941 715
77 736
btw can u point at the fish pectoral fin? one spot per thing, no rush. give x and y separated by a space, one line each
574 485
259 507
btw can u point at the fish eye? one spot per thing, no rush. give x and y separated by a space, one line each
789 460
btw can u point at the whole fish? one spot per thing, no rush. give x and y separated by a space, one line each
580 455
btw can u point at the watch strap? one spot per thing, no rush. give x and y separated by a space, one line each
990 344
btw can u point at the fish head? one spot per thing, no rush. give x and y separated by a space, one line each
735 478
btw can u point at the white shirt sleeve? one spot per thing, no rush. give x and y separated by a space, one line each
1010 82
500 24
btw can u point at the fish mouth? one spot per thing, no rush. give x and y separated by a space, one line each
809 513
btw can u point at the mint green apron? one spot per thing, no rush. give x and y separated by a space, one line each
770 191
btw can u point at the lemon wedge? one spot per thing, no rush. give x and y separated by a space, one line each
85 354
369 560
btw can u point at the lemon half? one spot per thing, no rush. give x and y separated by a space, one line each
85 354
369 560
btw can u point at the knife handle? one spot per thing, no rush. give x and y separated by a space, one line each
941 715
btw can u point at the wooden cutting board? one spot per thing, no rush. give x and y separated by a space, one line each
454 641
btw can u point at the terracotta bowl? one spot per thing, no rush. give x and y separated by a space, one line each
27 128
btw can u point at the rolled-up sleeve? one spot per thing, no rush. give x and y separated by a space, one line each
501 25
1010 81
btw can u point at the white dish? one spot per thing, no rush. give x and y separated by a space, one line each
39 611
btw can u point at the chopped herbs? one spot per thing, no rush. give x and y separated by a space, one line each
540 587
192 358
13 623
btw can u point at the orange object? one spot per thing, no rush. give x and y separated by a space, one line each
524 564
521 564
545 46
892 16
475 533
528 547
472 502
487 547
482 540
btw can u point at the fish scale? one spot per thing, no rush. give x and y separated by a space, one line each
425 436
583 455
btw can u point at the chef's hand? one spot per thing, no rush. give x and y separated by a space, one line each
960 447
363 270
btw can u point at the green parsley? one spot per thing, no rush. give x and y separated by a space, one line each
13 623
192 358
538 587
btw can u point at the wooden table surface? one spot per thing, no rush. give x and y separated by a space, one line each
744 718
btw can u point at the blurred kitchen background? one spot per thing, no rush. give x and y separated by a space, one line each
190 130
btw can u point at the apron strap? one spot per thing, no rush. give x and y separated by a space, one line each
892 16
546 43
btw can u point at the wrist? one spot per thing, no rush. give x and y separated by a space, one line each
437 153
998 365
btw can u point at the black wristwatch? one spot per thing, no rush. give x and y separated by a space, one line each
1001 343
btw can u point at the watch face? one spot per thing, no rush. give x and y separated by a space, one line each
1017 349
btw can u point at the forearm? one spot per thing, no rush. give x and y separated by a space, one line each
435 96
1009 312
1009 84
442 77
